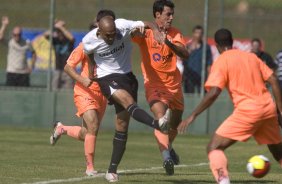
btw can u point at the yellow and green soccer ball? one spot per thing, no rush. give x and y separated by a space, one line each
258 166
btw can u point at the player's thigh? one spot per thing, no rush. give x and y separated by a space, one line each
158 108
91 120
219 142
123 98
122 121
268 131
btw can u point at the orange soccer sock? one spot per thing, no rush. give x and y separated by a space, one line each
72 131
89 150
218 164
163 142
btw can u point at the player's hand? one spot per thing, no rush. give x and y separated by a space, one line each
140 29
5 20
185 123
86 82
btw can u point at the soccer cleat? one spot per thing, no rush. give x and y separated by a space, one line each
111 177
163 121
91 173
174 157
169 166
224 180
56 135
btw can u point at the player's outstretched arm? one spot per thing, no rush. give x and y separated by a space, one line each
207 101
273 81
5 22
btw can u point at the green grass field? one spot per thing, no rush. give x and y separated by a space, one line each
27 157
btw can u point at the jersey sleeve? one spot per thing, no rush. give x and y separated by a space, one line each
218 75
128 24
89 42
178 38
76 56
265 70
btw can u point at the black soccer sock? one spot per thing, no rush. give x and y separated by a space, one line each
119 145
142 116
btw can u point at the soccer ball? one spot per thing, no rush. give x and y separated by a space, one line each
258 166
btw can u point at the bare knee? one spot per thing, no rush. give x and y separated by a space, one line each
122 121
92 123
219 143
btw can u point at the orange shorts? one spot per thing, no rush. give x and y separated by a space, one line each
174 100
241 127
90 99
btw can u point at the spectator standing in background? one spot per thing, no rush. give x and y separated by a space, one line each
192 75
63 43
278 61
264 56
18 70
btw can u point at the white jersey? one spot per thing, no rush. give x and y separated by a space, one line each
115 58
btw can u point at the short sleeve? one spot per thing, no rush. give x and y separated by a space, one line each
88 42
76 56
218 75
265 70
178 38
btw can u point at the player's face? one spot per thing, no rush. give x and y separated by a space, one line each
166 17
108 35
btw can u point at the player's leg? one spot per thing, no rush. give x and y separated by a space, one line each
92 125
119 143
159 108
276 150
76 132
123 98
217 158
176 118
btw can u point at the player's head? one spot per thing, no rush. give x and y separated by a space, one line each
101 14
17 33
107 29
198 32
256 45
223 39
163 11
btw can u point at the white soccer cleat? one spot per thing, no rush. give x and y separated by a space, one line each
163 121
55 135
91 173
111 177
224 180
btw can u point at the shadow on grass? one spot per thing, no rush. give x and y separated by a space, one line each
159 174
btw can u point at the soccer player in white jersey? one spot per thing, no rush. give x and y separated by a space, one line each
110 47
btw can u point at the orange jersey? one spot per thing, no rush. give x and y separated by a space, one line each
159 61
77 56
244 76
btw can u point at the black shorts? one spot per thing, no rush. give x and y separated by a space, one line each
127 82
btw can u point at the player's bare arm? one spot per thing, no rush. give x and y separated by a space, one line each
5 22
178 48
208 100
273 81
86 82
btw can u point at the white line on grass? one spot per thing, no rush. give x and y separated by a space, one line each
99 175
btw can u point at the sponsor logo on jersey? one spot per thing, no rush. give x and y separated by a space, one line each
157 57
116 49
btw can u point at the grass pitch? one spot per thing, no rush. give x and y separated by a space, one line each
27 157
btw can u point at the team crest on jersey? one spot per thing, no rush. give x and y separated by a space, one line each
156 57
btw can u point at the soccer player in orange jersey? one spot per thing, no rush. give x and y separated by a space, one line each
162 79
89 101
244 75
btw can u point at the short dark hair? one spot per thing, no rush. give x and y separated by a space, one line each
223 37
198 27
92 25
256 40
160 4
103 13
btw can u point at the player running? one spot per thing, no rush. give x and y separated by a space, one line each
162 79
244 75
89 101
110 46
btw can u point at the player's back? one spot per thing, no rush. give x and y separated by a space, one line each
246 76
